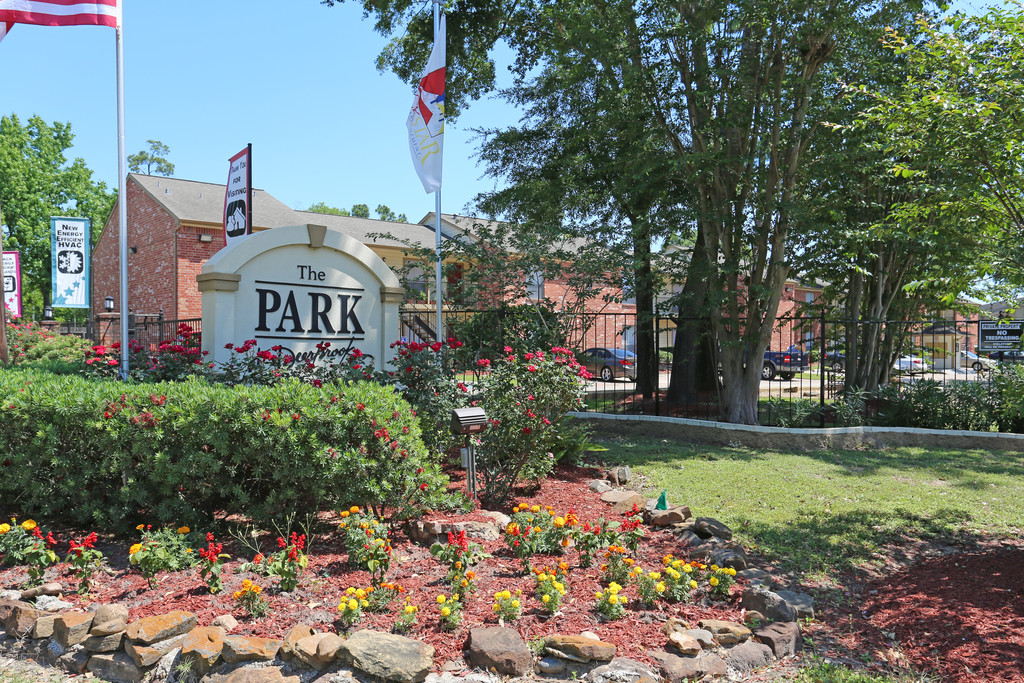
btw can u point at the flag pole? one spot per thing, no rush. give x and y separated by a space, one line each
122 204
437 207
3 293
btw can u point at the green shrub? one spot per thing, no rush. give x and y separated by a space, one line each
929 404
105 452
30 344
525 397
1008 390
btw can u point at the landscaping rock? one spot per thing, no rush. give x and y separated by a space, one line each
673 624
712 665
622 670
498 648
803 603
706 527
43 628
730 555
74 661
306 651
51 588
270 674
51 603
107 643
292 638
690 540
161 627
72 628
748 656
550 666
388 656
702 636
620 476
147 655
758 578
675 669
579 649
22 618
782 637
771 605
622 501
8 606
249 649
116 666
599 486
108 620
725 632
432 531
202 646
481 531
668 517
226 622
499 519
327 649
686 644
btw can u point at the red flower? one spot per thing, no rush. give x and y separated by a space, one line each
483 363
436 346
360 406
423 487
526 430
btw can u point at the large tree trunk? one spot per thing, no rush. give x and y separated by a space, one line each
646 336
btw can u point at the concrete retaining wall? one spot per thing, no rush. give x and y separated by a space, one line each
726 434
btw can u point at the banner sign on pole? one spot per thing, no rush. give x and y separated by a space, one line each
69 248
238 198
12 283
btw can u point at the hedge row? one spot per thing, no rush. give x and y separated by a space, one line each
113 454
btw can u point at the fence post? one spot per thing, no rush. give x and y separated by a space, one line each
821 371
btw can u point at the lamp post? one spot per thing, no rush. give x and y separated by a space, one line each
108 304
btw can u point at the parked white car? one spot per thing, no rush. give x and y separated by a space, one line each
911 365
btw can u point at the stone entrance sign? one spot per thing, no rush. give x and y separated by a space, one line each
298 286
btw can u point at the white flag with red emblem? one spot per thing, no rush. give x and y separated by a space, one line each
426 118
60 13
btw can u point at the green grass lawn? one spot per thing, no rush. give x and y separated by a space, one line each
821 513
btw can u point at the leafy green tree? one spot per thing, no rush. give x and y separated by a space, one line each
152 162
360 211
727 86
36 182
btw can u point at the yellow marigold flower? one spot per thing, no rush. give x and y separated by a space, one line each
410 609
495 607
354 509
730 571
344 514
247 584
515 509
614 588
350 590
464 583
515 603
714 567
257 589
629 561
458 564
353 605
545 598
559 522
360 593
655 575
713 580
188 550
446 611
4 528
677 563
135 548
613 599
660 587
236 595
542 577
183 530
506 595
559 586
364 603
440 599
535 508
693 584
140 527
598 595
343 525
687 568
29 524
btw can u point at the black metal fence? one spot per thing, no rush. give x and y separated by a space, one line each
803 372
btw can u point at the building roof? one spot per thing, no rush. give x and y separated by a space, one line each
191 201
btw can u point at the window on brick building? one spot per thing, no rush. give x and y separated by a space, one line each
535 285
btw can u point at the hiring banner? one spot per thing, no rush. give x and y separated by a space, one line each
69 271
238 198
12 283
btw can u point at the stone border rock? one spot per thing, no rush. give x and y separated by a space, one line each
726 434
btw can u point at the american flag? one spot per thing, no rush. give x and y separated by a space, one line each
59 13
4 28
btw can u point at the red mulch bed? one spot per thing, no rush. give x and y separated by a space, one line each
327 576
959 615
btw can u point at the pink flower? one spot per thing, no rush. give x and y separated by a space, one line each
483 363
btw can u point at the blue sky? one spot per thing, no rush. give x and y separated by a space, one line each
296 79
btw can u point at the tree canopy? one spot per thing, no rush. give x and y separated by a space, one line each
384 213
36 182
152 162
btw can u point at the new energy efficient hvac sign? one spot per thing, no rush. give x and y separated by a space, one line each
69 273
296 287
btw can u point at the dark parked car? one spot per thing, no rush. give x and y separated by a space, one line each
1008 356
609 364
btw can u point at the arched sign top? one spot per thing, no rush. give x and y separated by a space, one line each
314 292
